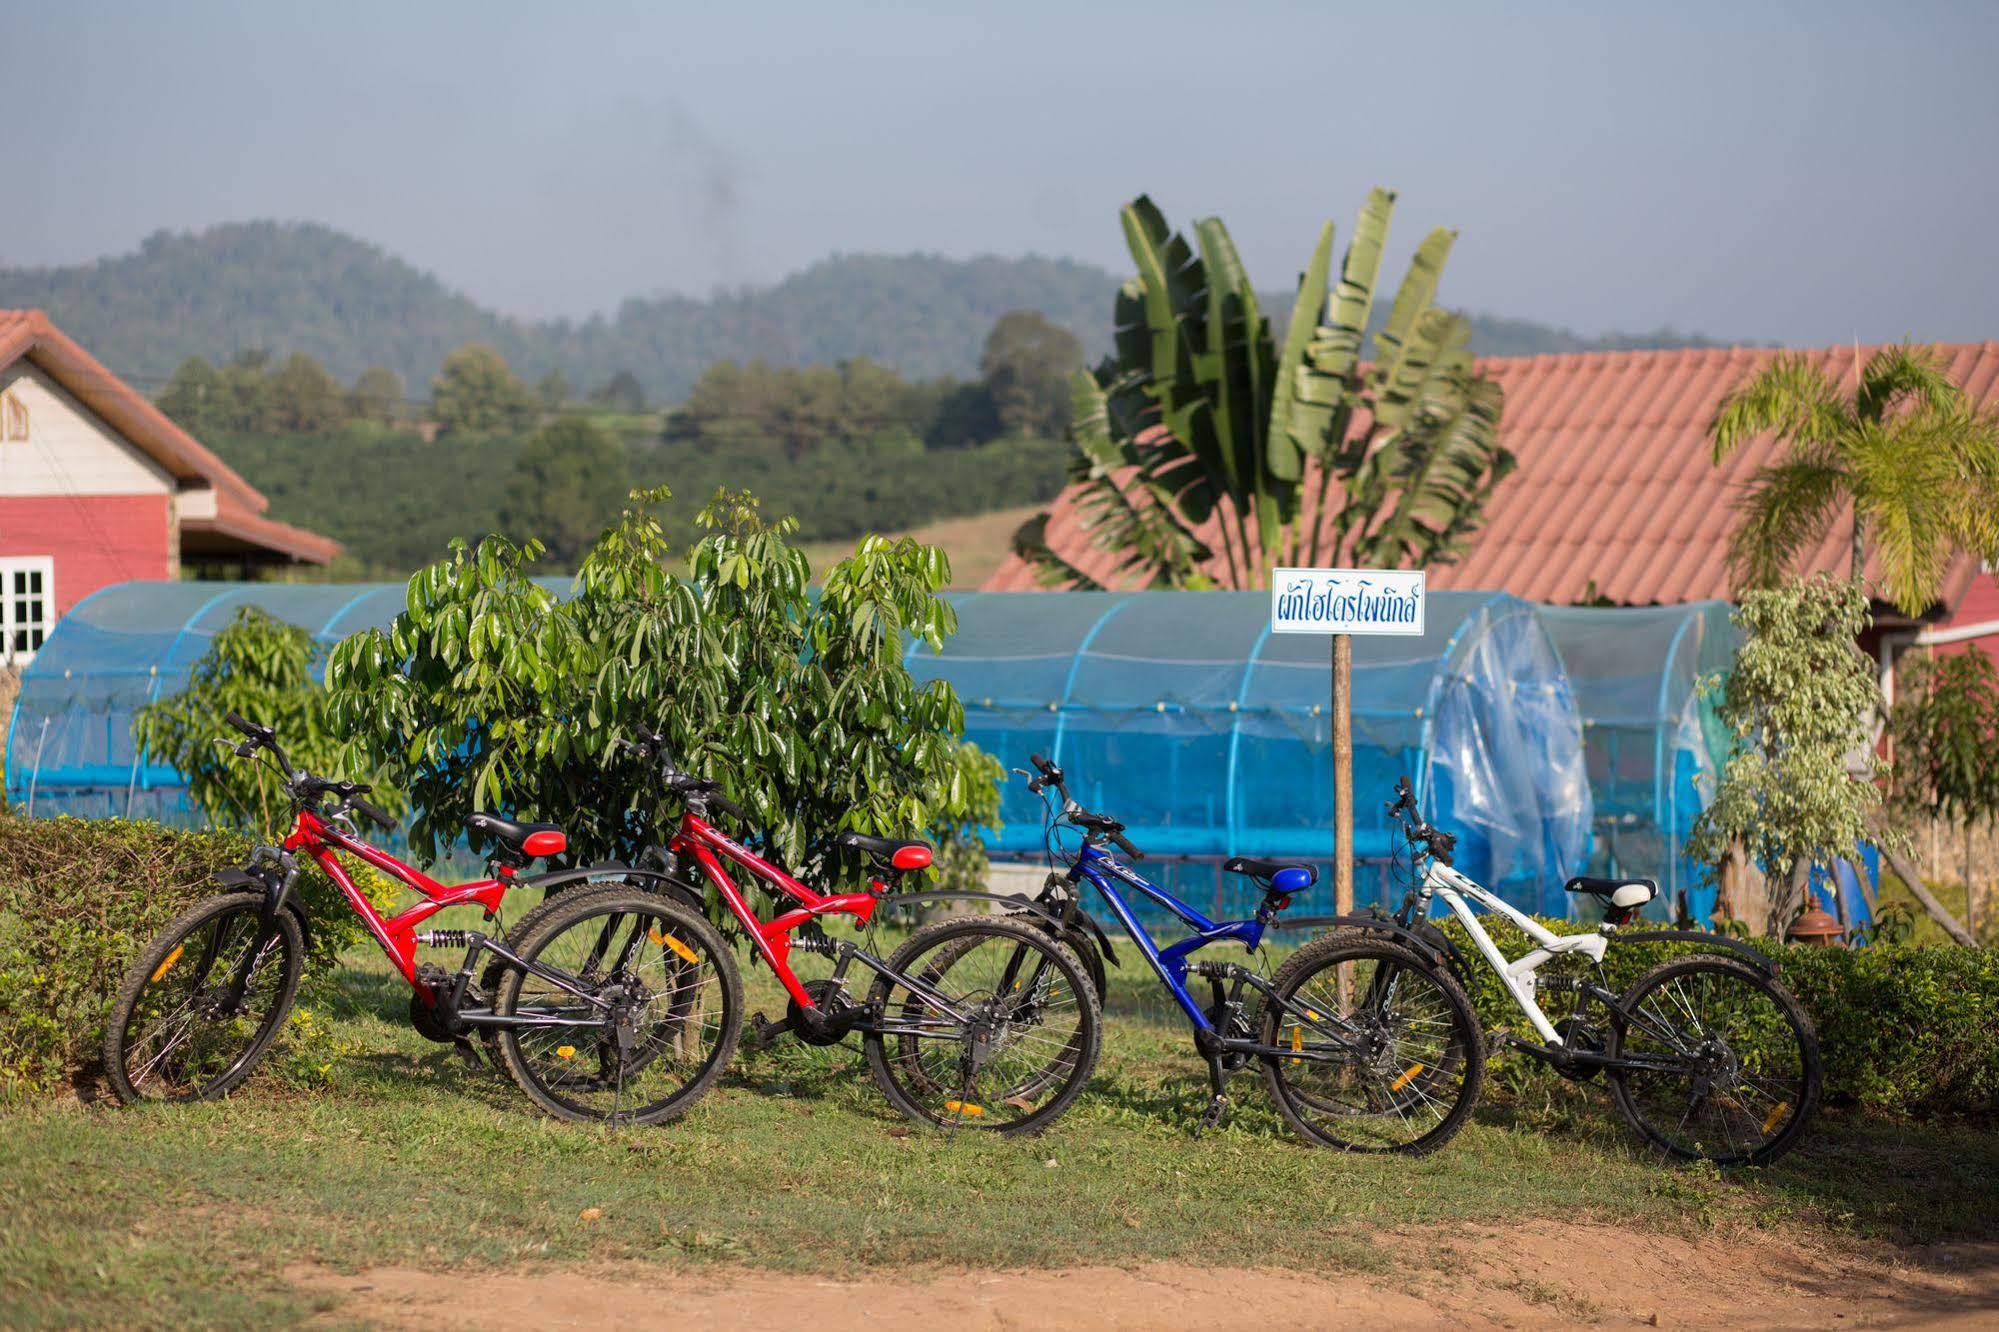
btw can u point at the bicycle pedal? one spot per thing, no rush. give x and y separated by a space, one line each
762 1031
469 1053
1497 1040
1210 1117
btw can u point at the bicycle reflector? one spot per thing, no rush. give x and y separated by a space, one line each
665 940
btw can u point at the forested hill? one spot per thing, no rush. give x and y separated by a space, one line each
301 287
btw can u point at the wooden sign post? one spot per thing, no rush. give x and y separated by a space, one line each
1342 773
1342 603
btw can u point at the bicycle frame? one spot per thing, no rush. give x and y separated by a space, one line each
320 838
708 845
1444 881
1169 963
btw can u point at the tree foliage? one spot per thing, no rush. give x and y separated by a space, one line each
305 400
487 691
476 394
377 397
1207 451
1025 367
298 398
1945 729
565 487
1799 701
1916 463
622 392
261 668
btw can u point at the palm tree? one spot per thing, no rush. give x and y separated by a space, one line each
1917 463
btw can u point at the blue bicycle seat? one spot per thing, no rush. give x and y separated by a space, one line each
1283 876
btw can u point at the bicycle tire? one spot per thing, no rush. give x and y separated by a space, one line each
1413 1070
900 1073
161 962
557 1092
1790 1109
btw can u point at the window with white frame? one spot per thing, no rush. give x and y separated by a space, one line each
27 606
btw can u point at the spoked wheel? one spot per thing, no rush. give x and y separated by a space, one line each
202 1004
648 1017
1737 1073
985 1024
1387 1052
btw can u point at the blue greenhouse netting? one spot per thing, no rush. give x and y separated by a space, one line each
1526 728
70 747
1181 714
1651 739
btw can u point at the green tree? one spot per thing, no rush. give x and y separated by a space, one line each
1917 464
1800 698
377 396
192 396
305 400
261 668
243 402
476 394
1945 730
567 484
1202 426
622 392
798 408
554 389
489 691
1026 367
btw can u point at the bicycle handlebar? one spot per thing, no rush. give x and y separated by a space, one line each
306 787
652 745
1095 825
1436 841
375 812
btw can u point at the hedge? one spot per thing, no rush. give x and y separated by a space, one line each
78 899
1906 1030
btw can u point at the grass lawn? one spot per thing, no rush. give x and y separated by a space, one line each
162 1215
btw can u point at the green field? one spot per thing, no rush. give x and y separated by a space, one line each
163 1215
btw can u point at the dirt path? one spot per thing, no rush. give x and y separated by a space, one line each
1544 1274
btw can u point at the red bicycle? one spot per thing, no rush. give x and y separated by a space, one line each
612 1004
979 1021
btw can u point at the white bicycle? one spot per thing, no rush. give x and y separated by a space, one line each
1708 1055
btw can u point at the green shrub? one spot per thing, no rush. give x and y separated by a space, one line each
1903 1030
78 899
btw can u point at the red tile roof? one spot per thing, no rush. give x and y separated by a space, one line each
239 505
1615 485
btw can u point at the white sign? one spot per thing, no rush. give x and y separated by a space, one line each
1346 601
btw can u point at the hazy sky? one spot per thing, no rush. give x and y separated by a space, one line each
1807 172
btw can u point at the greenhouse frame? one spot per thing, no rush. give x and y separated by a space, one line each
1552 740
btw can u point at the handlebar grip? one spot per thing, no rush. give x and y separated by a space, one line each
375 812
244 726
1125 846
1038 761
728 806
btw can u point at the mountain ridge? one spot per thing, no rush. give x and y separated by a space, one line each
286 287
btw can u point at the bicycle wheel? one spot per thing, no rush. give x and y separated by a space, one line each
655 1022
1387 1054
986 1024
1737 1075
201 1005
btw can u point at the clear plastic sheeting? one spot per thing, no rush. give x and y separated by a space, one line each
70 748
1182 715
1651 739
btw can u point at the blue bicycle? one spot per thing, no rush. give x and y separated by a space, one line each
1366 1041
